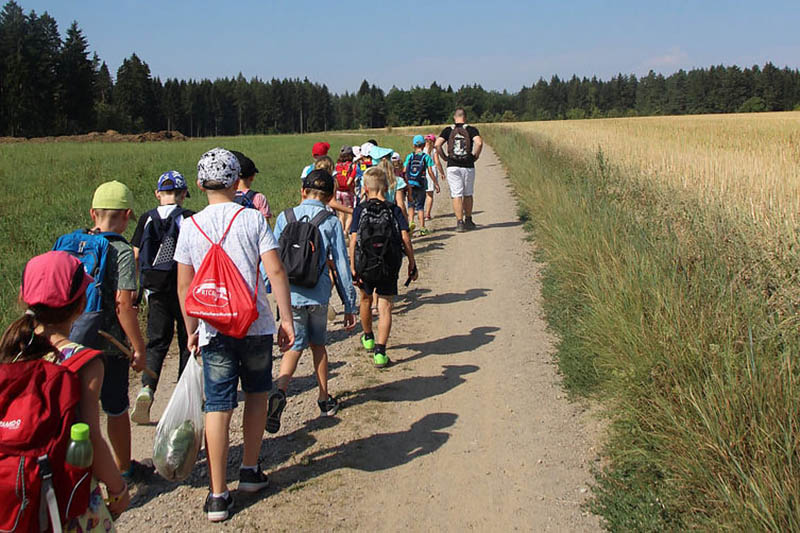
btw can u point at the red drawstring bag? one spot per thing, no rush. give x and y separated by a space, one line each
218 293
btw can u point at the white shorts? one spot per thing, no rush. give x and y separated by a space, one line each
430 181
461 181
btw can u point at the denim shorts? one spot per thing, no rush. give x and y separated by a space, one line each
417 198
226 360
310 326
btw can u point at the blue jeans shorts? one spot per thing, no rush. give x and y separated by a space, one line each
226 360
417 199
310 326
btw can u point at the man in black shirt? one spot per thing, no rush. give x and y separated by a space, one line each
464 145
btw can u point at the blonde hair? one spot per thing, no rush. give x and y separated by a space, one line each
111 216
391 179
375 180
324 163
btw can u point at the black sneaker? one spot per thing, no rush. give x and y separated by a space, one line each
139 471
275 405
460 227
329 406
469 224
219 508
252 480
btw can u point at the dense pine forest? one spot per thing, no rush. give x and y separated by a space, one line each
52 85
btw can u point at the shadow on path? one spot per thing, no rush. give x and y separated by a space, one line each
451 345
414 298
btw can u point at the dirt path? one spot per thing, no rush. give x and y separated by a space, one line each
469 429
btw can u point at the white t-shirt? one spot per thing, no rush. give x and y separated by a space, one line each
249 237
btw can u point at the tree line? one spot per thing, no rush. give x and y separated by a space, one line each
53 86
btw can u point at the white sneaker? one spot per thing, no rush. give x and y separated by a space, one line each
141 407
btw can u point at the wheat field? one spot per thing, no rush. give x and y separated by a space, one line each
747 163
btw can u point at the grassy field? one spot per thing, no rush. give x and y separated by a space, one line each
672 280
47 188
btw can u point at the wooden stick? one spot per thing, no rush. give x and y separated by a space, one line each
125 350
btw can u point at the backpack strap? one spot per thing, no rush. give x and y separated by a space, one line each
80 359
224 234
48 503
250 195
290 216
321 217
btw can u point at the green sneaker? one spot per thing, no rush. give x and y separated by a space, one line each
380 360
424 231
141 407
411 227
368 344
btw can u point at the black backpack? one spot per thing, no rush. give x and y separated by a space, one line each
415 172
459 145
245 199
302 248
157 247
379 253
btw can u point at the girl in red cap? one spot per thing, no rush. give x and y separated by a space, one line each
53 289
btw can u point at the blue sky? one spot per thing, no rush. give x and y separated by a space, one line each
499 44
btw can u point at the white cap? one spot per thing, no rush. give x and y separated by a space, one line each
218 164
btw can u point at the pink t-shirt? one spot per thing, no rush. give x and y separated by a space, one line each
260 202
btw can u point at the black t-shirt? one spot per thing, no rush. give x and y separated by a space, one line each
166 280
473 132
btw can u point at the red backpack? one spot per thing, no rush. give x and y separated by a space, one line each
344 171
218 293
38 405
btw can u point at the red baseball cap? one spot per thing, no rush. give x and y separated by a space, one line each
319 149
54 279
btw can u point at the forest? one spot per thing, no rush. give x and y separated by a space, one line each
52 85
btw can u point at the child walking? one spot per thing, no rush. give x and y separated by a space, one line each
310 297
418 164
430 149
346 184
53 290
245 195
153 247
379 237
246 238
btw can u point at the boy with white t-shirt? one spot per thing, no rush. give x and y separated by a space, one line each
226 359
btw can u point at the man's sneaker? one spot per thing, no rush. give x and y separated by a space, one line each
469 224
424 231
275 405
141 407
380 360
329 406
460 227
252 480
368 344
219 508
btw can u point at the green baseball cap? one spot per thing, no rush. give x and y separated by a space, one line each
112 195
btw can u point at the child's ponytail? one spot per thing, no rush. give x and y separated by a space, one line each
21 343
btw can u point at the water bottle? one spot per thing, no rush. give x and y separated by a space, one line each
79 451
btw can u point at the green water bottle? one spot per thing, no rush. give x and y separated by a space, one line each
79 451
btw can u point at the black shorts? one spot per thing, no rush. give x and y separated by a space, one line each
383 288
114 393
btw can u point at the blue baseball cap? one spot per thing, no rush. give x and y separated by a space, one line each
419 140
177 179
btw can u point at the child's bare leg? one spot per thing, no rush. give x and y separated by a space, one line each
428 204
217 426
365 311
385 304
321 369
253 422
288 367
119 434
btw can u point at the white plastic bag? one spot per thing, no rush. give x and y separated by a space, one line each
179 434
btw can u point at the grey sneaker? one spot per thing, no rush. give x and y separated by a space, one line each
460 227
469 224
275 405
219 508
141 407
252 480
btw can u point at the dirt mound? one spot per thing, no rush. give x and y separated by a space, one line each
107 136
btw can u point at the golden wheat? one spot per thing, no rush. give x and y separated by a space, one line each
747 163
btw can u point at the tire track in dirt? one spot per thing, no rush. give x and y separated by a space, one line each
468 429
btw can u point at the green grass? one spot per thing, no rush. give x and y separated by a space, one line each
47 188
682 324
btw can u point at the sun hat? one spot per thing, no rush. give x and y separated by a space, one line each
356 152
319 180
418 140
172 180
395 156
366 148
218 164
54 279
320 149
246 166
373 142
112 195
379 152
430 137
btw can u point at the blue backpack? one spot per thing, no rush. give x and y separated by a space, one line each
415 171
157 248
245 199
92 251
